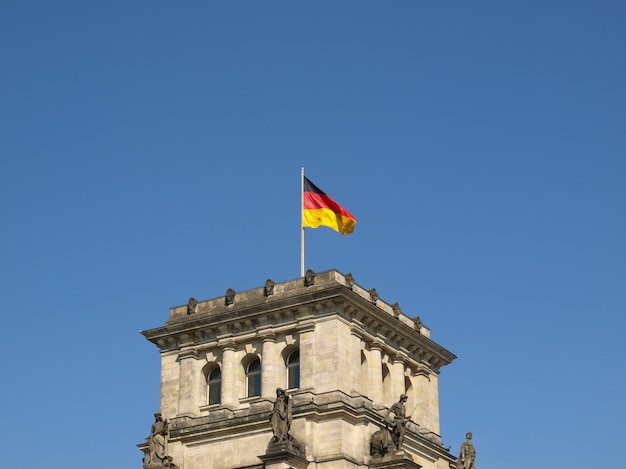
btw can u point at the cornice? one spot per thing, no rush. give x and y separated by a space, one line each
299 310
313 408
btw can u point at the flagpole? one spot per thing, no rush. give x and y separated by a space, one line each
302 222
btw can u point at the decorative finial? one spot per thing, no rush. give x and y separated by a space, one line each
417 323
230 297
192 304
269 287
349 280
309 278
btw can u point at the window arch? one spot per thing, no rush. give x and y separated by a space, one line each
293 369
214 386
253 378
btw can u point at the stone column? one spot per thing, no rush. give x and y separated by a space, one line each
188 400
306 333
427 394
170 385
270 367
375 393
355 358
397 375
229 376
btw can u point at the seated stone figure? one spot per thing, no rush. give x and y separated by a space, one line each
157 446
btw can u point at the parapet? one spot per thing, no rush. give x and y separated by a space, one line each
277 292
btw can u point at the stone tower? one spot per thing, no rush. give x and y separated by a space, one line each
340 356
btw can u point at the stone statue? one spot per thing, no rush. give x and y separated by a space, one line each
467 454
230 297
390 438
309 278
417 322
157 445
349 280
373 295
381 443
280 418
398 423
268 290
192 304
170 463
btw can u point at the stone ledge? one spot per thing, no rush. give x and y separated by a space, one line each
283 456
394 460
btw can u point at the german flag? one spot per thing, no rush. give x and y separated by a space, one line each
320 210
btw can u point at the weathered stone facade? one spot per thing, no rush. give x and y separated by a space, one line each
355 355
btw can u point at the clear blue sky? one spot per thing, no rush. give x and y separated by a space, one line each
151 151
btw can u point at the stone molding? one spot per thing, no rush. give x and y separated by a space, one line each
286 290
395 460
188 353
244 323
281 455
354 409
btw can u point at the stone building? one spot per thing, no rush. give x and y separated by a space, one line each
342 355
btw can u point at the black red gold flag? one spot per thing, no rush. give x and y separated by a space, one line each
321 210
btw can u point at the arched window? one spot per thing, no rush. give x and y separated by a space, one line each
293 369
253 378
214 386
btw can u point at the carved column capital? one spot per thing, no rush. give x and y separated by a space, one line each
228 344
267 336
400 357
189 353
306 326
356 329
377 344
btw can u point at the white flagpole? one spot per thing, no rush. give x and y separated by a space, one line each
302 222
